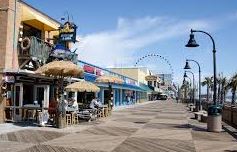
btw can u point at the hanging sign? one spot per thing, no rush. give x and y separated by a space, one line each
67 32
9 79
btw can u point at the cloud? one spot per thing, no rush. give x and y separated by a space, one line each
118 46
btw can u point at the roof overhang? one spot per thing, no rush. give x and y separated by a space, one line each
37 19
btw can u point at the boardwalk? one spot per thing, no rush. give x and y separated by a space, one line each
153 127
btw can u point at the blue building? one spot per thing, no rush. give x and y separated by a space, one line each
130 92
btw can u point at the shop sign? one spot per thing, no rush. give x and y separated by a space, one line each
98 72
151 78
67 33
9 79
89 69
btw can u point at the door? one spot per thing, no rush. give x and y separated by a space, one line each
41 95
18 97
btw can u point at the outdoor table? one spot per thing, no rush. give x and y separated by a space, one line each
27 108
32 107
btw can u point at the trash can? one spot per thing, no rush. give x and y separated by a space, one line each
214 118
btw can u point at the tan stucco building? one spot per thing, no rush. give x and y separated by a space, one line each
19 20
137 73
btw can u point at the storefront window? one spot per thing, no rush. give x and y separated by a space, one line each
107 96
81 97
28 94
40 95
17 96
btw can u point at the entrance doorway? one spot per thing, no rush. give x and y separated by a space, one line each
41 95
17 103
28 94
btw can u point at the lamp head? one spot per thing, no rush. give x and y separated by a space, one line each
187 67
185 75
184 81
192 42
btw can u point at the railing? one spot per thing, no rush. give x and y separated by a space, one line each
40 50
229 115
37 49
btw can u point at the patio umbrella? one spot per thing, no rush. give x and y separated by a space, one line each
82 86
60 69
109 79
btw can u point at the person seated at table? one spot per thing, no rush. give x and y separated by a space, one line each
94 103
72 103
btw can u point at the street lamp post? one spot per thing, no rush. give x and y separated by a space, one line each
214 111
185 75
192 43
199 85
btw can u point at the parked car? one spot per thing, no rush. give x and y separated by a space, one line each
162 97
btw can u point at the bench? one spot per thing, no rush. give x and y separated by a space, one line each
204 117
191 107
201 114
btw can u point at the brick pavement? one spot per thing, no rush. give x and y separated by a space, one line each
153 127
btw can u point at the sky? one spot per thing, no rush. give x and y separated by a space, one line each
117 33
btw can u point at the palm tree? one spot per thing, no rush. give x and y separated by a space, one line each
233 86
185 87
218 81
208 82
224 89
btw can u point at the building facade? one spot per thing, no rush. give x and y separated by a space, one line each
26 38
167 84
136 73
130 92
29 39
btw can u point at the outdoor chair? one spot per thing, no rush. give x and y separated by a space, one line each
68 119
75 119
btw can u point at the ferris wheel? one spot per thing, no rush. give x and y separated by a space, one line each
149 56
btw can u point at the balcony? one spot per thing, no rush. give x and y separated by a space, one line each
33 49
37 52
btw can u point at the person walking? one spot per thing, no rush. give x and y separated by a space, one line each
177 99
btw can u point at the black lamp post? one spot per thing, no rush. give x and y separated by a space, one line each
214 112
185 76
192 43
187 67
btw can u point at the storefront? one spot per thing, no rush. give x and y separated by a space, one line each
26 91
129 92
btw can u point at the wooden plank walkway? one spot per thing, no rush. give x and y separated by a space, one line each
152 127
